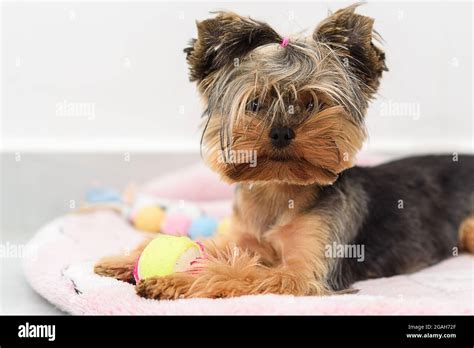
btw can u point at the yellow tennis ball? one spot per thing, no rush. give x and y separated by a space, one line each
149 218
224 226
166 255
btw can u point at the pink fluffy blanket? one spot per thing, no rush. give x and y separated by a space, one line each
61 269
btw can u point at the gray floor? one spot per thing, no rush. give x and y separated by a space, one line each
37 187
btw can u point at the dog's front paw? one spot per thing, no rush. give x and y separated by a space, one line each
165 288
120 269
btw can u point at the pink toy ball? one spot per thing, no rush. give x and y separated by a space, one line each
176 224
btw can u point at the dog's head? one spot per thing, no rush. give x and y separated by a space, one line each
278 109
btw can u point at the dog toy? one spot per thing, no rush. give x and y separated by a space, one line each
176 224
103 195
149 218
203 226
224 226
166 255
178 218
101 198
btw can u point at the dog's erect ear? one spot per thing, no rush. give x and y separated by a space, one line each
351 36
223 39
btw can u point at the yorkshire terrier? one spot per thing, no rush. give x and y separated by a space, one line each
299 104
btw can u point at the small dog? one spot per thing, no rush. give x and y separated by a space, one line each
303 222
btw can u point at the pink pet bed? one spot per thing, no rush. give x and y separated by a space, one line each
66 249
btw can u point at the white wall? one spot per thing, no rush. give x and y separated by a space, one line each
120 67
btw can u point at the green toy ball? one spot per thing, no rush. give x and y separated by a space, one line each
165 255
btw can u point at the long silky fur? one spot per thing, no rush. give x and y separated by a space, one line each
236 60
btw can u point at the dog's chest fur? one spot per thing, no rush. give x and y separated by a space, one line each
260 207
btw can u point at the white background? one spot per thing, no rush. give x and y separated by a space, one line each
125 60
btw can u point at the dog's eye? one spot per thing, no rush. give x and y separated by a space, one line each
307 102
253 105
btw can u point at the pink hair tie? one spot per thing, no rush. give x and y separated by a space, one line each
285 42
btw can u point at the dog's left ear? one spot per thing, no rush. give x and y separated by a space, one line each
351 37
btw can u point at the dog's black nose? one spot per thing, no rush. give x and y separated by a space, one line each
281 136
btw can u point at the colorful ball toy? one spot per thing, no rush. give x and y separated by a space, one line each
176 224
153 214
103 195
203 226
178 218
224 226
149 218
166 255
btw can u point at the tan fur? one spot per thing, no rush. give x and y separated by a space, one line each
276 243
228 276
466 234
272 249
120 266
326 143
346 29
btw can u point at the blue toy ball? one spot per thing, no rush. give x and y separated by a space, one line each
103 195
202 227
